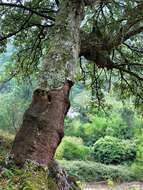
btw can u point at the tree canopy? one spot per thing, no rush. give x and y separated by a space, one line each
111 52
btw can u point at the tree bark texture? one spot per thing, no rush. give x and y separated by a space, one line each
43 126
64 47
43 122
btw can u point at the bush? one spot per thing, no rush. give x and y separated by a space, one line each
93 171
91 132
111 150
12 107
120 128
72 148
137 168
97 126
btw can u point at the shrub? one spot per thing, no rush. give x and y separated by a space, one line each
111 150
94 130
72 148
120 128
97 126
93 171
139 141
137 168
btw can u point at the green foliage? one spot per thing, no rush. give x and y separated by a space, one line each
94 130
10 178
91 124
72 148
111 150
5 145
96 126
89 131
137 168
34 173
120 128
31 177
92 171
13 102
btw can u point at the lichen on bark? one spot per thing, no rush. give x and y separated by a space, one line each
59 62
43 122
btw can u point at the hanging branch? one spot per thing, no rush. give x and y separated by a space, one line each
133 91
24 26
133 49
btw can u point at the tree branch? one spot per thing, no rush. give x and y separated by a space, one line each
90 44
134 17
20 6
23 27
114 66
133 33
3 83
98 53
133 49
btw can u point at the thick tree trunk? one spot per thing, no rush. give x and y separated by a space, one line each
43 126
43 123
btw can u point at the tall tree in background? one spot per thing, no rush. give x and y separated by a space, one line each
50 37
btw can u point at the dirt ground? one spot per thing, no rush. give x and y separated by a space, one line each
105 186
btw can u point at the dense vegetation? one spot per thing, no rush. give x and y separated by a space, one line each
50 45
99 145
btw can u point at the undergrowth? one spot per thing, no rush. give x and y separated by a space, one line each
34 177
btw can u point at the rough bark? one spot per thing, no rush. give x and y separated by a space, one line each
43 122
63 51
43 126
